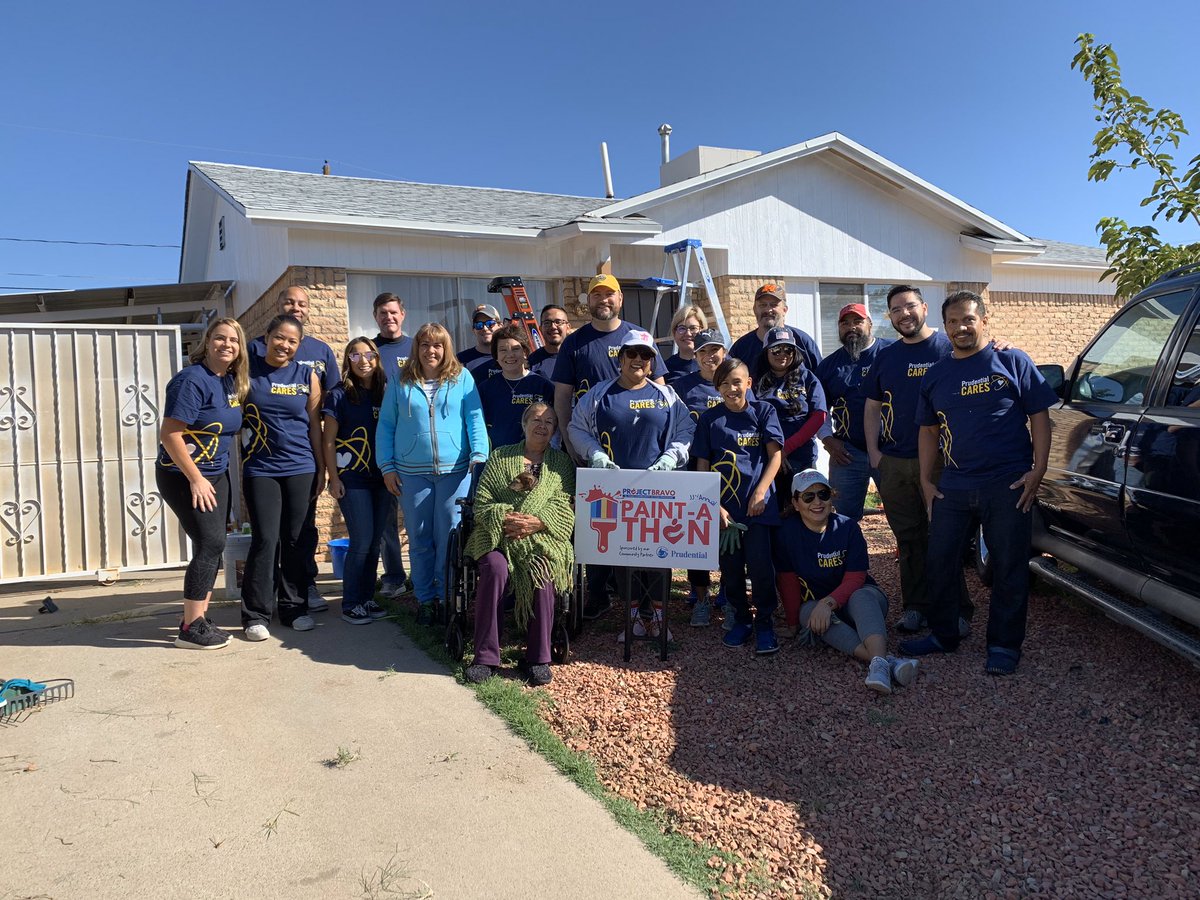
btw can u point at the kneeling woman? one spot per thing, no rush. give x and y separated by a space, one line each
822 574
522 534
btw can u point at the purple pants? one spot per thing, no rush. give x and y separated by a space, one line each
489 610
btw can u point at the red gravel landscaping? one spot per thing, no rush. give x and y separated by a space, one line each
1076 777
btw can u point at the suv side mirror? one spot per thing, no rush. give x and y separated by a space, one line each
1055 376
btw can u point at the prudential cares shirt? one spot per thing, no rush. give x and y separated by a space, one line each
895 381
980 405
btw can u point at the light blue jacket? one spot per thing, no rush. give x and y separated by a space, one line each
416 438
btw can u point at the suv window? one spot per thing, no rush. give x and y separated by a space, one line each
1118 367
1185 383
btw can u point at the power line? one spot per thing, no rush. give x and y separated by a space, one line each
88 243
24 287
42 275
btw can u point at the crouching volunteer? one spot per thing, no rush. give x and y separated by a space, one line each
522 535
741 441
825 585
631 422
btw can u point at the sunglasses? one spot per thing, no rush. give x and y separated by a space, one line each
487 323
368 355
782 351
821 494
640 353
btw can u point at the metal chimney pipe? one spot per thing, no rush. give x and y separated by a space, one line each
325 168
664 131
608 188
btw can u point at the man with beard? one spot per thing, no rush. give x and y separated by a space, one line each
395 347
979 406
770 311
555 328
841 374
892 388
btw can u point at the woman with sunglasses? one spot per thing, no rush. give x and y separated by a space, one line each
687 322
783 380
826 588
351 415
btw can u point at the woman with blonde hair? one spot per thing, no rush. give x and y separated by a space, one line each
687 322
201 415
431 435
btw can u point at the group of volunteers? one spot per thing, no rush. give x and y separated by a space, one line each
952 428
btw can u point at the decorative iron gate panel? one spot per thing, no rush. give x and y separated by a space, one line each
80 409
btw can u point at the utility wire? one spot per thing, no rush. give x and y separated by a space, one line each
87 243
41 275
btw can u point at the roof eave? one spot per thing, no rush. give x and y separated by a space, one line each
389 225
624 228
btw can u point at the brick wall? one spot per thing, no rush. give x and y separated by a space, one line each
736 293
1052 328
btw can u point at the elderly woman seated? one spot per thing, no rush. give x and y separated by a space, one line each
522 535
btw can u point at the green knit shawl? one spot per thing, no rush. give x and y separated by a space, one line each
547 556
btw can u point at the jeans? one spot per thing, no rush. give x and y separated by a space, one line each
862 617
753 558
278 507
904 506
1008 533
429 516
850 482
393 561
489 611
206 529
366 511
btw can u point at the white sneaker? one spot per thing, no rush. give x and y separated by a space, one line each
257 632
316 603
303 623
904 671
879 676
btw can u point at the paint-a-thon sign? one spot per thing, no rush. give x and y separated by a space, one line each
654 520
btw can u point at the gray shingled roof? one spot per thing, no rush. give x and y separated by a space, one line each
1059 251
272 189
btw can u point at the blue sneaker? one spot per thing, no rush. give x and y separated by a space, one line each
922 646
738 636
765 643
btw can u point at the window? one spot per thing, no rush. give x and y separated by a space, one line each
638 307
432 298
834 296
1185 383
1118 367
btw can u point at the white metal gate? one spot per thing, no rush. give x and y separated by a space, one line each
80 409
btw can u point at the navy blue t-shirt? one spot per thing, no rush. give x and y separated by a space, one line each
542 363
633 425
981 405
895 381
677 367
355 442
821 559
697 394
482 366
588 357
749 347
735 445
794 406
393 353
504 402
314 353
206 404
841 378
275 423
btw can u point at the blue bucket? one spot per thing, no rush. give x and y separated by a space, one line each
338 548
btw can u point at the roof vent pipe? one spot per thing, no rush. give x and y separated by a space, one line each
608 188
664 131
325 168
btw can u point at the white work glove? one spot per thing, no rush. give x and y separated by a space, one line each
600 460
664 463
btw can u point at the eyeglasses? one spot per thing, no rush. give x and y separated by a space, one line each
821 494
686 329
554 323
782 351
487 323
368 355
640 353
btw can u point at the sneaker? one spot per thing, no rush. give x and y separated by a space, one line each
911 621
392 591
879 676
738 636
701 614
538 674
964 628
375 611
201 636
596 606
479 673
765 643
303 623
211 626
904 671
256 632
316 603
921 646
1001 661
639 628
425 616
728 621
356 616
656 624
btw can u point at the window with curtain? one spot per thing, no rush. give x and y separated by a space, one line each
432 298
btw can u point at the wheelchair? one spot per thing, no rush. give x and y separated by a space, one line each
461 579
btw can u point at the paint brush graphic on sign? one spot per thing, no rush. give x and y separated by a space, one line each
604 516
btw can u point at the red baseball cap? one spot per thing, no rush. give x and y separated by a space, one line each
857 308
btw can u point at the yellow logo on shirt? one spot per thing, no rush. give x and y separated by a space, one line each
290 390
832 560
918 369
976 386
642 404
749 439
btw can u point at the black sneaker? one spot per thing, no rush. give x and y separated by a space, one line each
538 675
357 616
375 611
479 673
211 625
425 616
201 636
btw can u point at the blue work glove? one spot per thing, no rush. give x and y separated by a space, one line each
600 460
664 463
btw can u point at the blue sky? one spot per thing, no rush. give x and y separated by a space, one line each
102 105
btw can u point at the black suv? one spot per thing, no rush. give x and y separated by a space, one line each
1121 497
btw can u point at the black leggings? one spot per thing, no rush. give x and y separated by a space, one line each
206 529
278 507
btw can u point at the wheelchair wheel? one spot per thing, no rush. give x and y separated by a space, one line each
560 642
456 641
574 618
452 580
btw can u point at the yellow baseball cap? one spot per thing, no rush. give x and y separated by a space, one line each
605 281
